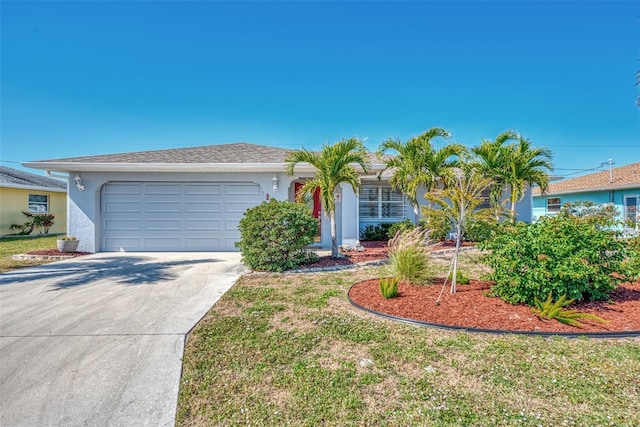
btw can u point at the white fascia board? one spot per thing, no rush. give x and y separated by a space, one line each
170 167
34 188
589 190
157 167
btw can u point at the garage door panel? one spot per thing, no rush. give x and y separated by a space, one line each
163 189
122 207
123 188
204 189
161 243
242 189
175 216
162 207
202 225
165 225
203 207
122 225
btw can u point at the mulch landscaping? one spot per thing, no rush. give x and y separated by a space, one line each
55 252
471 307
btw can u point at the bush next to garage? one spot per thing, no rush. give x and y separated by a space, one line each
274 236
562 255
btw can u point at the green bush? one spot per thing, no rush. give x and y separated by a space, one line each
402 226
274 235
375 232
436 221
409 257
632 263
562 255
461 279
389 287
481 230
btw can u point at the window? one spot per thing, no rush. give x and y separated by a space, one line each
485 196
631 209
38 203
379 202
553 204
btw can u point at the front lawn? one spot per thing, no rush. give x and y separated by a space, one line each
10 246
289 349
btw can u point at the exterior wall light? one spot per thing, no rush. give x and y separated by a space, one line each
78 181
274 180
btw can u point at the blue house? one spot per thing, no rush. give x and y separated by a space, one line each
619 186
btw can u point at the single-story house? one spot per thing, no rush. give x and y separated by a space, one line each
191 199
22 191
619 186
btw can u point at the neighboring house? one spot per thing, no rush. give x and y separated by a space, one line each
191 199
22 191
619 186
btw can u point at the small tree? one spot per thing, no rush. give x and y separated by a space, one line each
419 163
274 235
334 164
459 203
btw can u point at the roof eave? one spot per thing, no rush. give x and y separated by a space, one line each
170 167
589 190
33 187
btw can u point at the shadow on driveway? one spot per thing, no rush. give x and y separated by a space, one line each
127 270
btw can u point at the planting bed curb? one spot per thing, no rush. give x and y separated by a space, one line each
29 257
626 334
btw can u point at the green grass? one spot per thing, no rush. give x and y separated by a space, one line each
289 350
22 244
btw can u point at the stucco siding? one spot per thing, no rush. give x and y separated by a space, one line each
14 201
616 197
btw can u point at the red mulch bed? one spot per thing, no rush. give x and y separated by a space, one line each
374 251
470 308
55 252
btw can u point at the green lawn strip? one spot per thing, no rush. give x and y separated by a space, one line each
10 246
284 349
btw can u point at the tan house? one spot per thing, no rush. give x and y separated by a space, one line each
22 191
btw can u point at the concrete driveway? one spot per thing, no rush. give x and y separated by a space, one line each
98 340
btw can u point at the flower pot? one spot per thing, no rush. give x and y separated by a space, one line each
68 245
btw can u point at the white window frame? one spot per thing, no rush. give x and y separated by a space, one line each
366 204
626 206
33 205
556 206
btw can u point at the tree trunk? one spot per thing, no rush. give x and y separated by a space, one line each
334 239
454 274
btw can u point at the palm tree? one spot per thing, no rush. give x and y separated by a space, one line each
512 166
418 163
334 164
527 165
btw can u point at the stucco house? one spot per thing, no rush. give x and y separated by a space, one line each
191 199
619 186
22 191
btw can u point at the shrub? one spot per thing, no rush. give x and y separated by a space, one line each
555 310
477 230
402 226
631 265
409 257
461 279
375 232
562 255
274 235
436 221
389 287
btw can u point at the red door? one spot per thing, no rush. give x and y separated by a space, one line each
314 204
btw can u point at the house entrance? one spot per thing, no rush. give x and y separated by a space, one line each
313 202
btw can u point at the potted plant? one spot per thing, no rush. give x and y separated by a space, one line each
68 244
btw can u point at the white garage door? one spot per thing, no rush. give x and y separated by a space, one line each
173 216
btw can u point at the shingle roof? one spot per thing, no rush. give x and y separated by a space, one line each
10 177
623 177
240 152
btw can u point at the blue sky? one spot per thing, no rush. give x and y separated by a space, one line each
85 78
